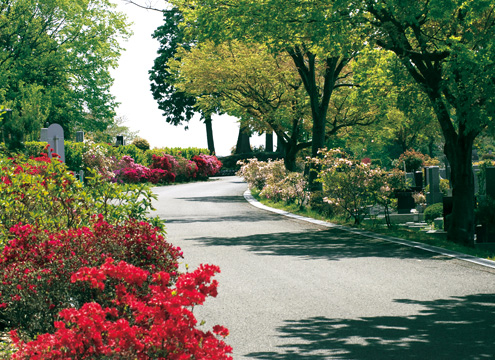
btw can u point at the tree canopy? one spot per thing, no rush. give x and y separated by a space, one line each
55 63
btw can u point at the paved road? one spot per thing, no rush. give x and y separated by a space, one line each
294 290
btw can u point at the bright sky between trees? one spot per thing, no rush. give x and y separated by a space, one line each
132 91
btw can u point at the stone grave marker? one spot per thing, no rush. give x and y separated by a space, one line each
418 180
433 180
490 182
55 137
476 170
79 136
44 135
120 140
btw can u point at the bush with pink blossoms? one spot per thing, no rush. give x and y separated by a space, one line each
128 171
208 165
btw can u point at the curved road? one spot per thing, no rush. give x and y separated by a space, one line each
294 290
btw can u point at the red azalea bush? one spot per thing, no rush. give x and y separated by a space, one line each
36 267
129 172
183 169
208 165
147 318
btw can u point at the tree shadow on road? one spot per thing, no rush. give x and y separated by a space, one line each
453 328
252 218
331 244
216 199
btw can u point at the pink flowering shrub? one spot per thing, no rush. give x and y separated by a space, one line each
129 172
186 170
352 185
147 317
36 267
208 165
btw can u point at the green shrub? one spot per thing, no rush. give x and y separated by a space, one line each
34 148
485 211
134 152
74 155
433 211
141 143
43 193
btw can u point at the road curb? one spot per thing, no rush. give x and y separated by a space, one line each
433 249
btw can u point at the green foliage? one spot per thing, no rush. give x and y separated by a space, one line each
485 211
433 211
134 152
42 192
40 38
74 155
141 143
34 148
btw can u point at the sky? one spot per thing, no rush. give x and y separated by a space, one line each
132 90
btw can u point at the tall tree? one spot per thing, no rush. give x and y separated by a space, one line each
262 90
316 36
177 106
54 62
448 49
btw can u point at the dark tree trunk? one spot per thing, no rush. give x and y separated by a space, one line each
290 157
458 149
319 98
461 223
243 141
280 144
269 141
209 134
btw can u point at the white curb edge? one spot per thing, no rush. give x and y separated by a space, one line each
433 249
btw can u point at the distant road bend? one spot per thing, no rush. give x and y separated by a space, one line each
290 289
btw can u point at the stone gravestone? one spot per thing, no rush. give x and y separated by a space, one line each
474 156
490 182
44 135
120 140
55 137
433 180
476 170
418 181
79 136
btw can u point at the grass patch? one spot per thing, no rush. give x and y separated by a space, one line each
395 231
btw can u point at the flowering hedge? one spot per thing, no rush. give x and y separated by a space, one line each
127 171
36 266
208 165
147 318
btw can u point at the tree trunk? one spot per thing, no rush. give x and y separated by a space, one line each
243 144
209 134
461 224
269 141
280 145
290 156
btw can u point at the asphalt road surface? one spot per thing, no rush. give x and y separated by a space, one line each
294 290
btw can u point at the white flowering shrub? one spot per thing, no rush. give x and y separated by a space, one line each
352 185
96 158
273 181
258 173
